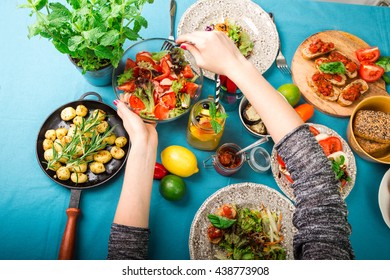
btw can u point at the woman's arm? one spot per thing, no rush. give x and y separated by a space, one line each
129 232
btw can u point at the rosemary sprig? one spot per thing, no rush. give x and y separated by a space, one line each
84 144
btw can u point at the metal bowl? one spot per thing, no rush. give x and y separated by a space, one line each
154 45
244 102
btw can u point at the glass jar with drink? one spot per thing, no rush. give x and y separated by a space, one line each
206 125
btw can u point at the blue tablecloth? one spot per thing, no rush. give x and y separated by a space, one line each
35 79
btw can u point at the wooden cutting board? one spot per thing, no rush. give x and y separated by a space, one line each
302 68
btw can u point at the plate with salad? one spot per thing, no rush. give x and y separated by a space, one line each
245 22
243 221
338 152
158 85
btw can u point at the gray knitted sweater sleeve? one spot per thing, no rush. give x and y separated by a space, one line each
320 216
321 213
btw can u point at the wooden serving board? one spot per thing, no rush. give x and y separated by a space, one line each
302 68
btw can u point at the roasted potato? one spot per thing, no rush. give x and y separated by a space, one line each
72 129
47 144
61 132
81 111
101 114
58 145
78 120
51 134
121 141
82 167
48 155
97 167
103 156
117 152
78 178
110 139
102 127
68 113
55 166
63 173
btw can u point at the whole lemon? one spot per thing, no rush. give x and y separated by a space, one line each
291 93
179 160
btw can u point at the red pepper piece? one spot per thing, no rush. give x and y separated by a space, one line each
159 171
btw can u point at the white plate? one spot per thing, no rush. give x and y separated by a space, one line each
249 195
253 19
384 197
285 185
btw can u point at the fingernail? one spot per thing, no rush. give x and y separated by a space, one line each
183 47
115 102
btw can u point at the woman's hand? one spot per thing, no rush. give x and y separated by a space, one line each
212 50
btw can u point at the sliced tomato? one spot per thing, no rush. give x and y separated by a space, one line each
289 178
280 161
314 130
128 86
190 88
144 56
161 111
166 70
230 86
130 64
370 54
187 72
169 99
370 72
331 145
136 103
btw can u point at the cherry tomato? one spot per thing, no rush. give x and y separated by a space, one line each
130 64
190 88
128 87
227 211
169 99
187 72
331 145
370 54
136 103
166 70
305 111
144 56
314 130
370 72
161 112
214 234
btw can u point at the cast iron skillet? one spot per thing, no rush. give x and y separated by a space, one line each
54 121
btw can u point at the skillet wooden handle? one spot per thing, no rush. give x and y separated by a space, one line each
69 237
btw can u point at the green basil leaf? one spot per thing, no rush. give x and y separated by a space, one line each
332 67
39 4
386 78
220 222
384 62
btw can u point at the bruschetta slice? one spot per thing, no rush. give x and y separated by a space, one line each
227 211
317 48
336 79
351 68
323 87
351 92
214 234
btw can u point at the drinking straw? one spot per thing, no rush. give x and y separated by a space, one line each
217 89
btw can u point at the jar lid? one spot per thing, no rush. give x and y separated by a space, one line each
259 159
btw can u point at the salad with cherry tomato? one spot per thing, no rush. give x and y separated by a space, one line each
158 85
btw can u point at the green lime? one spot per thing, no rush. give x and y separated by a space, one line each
291 93
172 187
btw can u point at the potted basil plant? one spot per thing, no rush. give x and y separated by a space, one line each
90 32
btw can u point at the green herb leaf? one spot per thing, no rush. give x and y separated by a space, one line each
386 78
39 4
126 76
384 62
220 222
332 67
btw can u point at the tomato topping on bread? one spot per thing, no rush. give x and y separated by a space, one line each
350 66
323 87
352 92
317 48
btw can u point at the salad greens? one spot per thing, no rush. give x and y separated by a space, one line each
252 235
384 62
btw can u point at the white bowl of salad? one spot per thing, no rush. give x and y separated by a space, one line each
158 85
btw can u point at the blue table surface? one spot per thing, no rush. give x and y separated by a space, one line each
35 79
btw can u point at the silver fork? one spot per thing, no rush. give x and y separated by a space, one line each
172 12
281 62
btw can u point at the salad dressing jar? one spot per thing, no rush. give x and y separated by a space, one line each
226 161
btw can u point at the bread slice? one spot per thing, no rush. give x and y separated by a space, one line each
352 92
372 125
336 79
317 84
350 66
323 48
373 148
